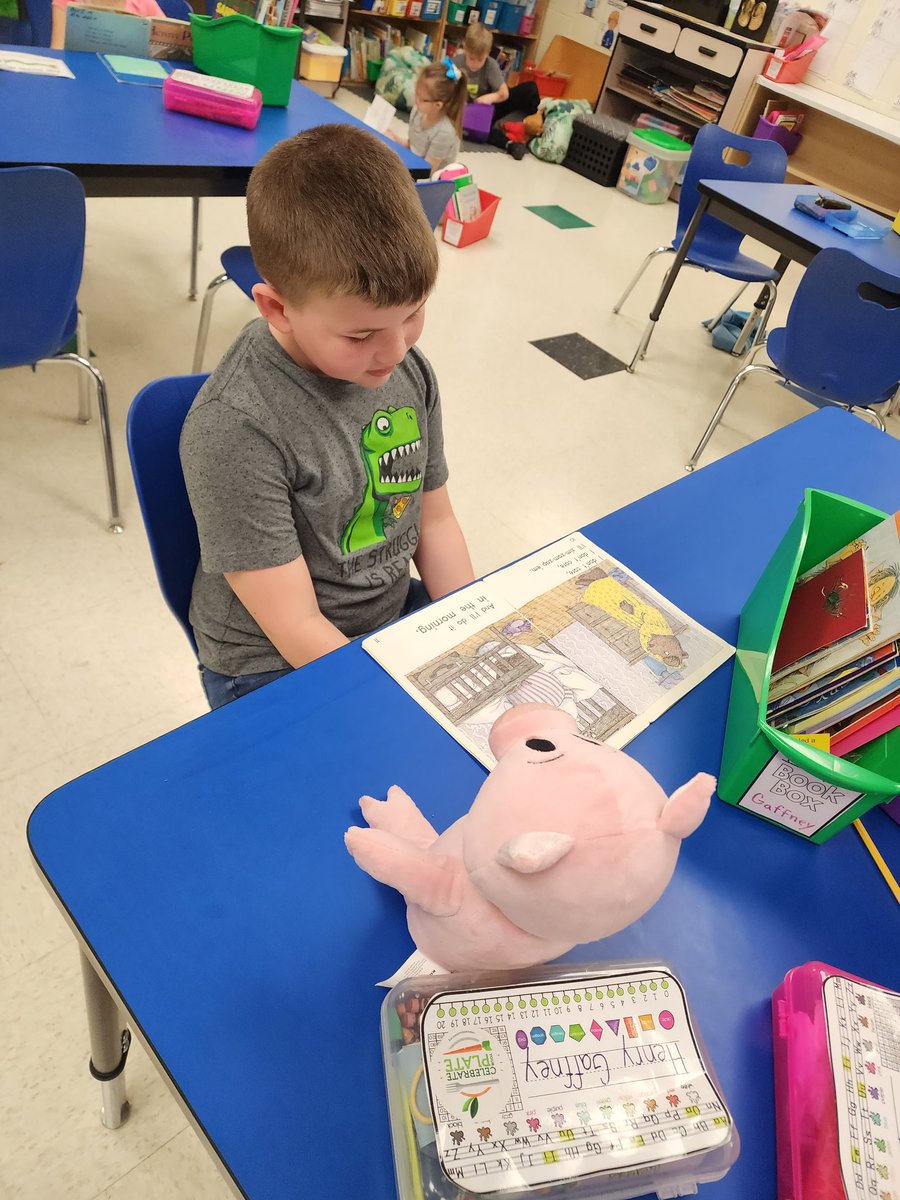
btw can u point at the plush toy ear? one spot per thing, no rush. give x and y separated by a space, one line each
686 807
524 721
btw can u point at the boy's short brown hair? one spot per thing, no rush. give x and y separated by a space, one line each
478 40
334 211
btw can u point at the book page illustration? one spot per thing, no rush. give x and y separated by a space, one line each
568 626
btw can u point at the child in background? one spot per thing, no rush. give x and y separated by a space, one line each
487 86
138 8
313 455
435 123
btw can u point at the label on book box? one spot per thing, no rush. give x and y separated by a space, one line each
792 797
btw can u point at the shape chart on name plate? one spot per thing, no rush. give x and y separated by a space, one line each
573 1078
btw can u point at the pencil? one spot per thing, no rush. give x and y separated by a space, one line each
879 861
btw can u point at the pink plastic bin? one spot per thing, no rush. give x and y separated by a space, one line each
806 1118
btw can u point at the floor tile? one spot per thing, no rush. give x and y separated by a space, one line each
182 1169
579 355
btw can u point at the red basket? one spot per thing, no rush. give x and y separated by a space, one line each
463 233
549 83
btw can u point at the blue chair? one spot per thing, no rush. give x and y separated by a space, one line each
154 428
841 342
716 246
238 266
41 258
34 30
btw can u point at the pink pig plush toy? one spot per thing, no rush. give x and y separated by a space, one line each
567 841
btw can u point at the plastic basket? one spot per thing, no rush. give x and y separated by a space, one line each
768 132
397 8
431 9
463 233
477 120
510 17
321 63
597 151
373 69
527 24
458 13
236 47
490 13
549 83
765 771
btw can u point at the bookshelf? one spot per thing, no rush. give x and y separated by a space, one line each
706 70
331 17
444 36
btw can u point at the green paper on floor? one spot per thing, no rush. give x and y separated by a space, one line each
560 217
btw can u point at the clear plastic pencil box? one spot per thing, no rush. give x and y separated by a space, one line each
837 1056
583 1082
212 98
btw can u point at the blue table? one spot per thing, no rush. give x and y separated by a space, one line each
206 876
120 141
765 211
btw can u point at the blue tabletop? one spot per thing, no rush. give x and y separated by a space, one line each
95 120
246 943
772 204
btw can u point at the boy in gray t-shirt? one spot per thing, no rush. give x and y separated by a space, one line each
313 455
487 86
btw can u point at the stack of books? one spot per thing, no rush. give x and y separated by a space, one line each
703 100
836 668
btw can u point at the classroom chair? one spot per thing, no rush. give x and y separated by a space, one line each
153 431
716 246
41 259
34 30
840 345
238 266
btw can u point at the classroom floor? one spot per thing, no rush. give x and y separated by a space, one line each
91 662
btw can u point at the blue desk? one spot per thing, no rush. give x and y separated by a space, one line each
242 937
120 141
765 211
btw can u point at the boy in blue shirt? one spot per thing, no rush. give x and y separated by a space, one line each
313 455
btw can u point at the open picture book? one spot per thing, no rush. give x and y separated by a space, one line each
568 626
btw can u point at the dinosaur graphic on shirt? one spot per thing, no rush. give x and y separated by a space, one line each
385 446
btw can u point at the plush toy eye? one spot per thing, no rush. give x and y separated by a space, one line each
541 744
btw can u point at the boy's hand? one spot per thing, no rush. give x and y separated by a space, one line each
282 601
490 98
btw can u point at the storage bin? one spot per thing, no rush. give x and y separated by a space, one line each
549 83
653 161
793 71
510 17
597 148
397 8
373 69
527 24
414 8
431 9
777 133
765 771
463 233
322 63
458 13
477 121
239 48
490 13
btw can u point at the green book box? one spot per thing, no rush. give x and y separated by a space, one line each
768 772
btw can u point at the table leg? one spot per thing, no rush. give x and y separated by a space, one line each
762 310
109 1046
195 245
668 282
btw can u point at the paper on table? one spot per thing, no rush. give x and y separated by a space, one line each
125 67
379 115
33 64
